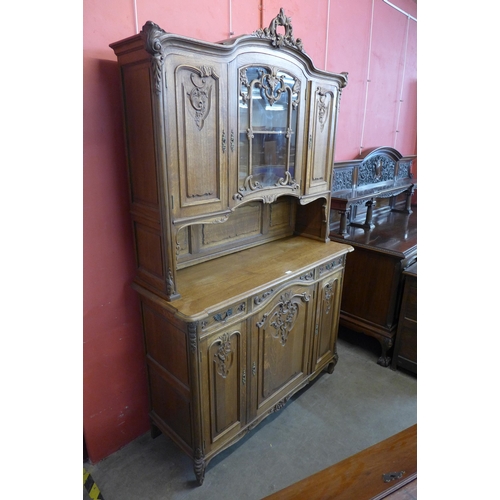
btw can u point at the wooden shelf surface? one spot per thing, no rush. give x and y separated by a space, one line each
218 282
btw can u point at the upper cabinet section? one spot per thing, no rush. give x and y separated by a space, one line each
245 119
229 145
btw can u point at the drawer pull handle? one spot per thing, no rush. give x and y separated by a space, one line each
222 317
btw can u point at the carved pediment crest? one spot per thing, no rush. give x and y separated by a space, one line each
377 169
279 40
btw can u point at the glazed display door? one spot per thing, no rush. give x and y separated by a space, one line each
269 106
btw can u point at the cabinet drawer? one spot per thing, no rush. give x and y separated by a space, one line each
223 317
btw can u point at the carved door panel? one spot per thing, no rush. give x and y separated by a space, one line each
320 150
197 138
327 320
280 347
224 380
269 126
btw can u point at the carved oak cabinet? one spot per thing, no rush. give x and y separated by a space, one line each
230 153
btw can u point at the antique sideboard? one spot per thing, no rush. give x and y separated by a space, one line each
372 211
230 151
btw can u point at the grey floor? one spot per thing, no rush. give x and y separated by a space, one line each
337 415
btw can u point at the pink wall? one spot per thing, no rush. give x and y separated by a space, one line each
115 392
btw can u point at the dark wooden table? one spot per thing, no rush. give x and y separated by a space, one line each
372 290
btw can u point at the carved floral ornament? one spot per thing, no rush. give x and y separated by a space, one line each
284 316
151 33
201 92
376 169
279 40
323 106
271 81
224 355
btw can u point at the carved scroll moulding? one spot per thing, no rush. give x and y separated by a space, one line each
224 355
285 314
271 81
342 179
200 93
323 107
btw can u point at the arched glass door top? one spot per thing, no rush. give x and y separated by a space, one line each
268 103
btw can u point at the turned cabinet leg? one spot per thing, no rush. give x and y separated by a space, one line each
369 214
409 194
367 224
407 209
343 222
199 466
386 344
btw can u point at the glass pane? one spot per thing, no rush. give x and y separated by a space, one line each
268 158
267 116
243 140
268 124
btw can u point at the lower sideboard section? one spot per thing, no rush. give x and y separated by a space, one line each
214 378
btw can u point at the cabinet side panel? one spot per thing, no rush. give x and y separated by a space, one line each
371 287
170 407
168 370
149 252
311 220
165 344
140 136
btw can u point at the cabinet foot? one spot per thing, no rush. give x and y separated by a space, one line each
385 360
199 466
333 363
